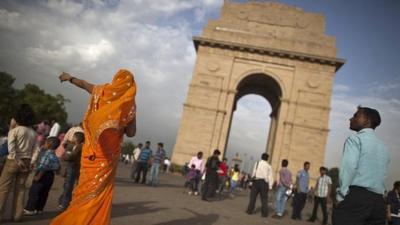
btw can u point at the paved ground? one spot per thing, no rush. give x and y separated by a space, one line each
168 205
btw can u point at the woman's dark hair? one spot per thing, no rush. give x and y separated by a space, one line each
24 115
217 152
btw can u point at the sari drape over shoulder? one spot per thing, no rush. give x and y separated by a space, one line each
111 108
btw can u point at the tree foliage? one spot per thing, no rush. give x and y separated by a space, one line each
127 148
46 106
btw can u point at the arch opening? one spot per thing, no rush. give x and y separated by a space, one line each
254 119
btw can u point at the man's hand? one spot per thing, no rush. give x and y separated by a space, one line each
22 166
64 77
37 177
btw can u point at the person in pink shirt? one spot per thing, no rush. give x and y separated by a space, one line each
199 164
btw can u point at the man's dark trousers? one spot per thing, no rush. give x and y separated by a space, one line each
210 184
259 187
299 201
322 202
360 207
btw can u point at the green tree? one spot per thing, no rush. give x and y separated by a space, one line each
127 148
7 100
45 106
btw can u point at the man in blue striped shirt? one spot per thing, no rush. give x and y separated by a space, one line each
143 162
362 173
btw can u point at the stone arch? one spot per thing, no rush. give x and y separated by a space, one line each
273 44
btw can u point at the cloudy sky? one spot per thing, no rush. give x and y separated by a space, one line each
152 38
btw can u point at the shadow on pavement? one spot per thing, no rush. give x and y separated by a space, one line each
197 219
133 208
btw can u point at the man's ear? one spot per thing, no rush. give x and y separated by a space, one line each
368 123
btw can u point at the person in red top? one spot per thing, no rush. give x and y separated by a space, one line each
222 175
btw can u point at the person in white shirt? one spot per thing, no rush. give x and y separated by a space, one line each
136 153
167 165
55 129
262 182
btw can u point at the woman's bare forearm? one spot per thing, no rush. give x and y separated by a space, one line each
77 82
82 84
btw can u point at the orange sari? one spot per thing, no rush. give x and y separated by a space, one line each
111 108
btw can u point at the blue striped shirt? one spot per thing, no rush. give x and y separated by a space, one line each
365 163
145 155
160 154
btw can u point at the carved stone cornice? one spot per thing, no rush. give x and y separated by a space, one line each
336 62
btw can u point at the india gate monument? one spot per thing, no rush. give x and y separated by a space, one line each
269 49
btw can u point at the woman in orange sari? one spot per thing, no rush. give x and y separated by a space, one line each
111 114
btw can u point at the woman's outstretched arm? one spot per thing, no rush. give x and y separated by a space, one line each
77 82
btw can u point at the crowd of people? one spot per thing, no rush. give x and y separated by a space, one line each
87 156
43 151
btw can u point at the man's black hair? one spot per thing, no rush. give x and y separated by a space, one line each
323 168
161 144
306 162
54 142
285 163
372 114
80 137
264 156
24 116
216 152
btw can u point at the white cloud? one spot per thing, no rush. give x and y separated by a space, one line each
340 88
11 20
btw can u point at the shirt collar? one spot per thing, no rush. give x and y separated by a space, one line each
366 130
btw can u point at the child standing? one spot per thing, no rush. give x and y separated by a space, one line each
234 179
72 156
191 179
44 177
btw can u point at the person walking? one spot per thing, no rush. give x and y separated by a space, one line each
262 183
301 191
111 114
362 173
321 195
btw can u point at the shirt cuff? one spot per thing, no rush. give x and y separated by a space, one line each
339 196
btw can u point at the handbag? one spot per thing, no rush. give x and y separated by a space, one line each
253 178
